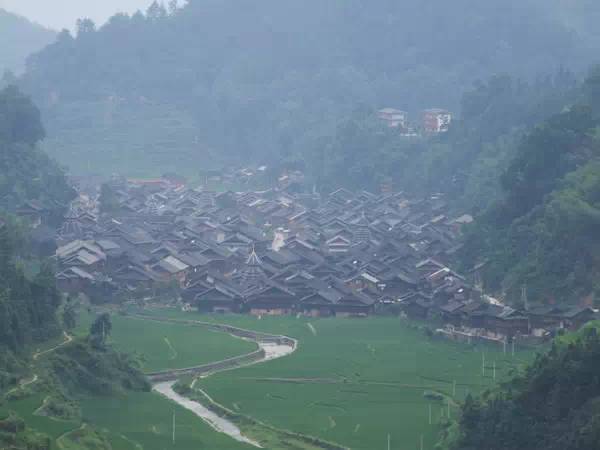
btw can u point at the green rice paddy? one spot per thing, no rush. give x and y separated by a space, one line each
136 421
352 382
174 346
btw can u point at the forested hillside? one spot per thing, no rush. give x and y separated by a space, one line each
541 233
26 172
28 304
221 80
20 38
554 405
465 163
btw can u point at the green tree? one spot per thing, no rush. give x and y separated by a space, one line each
85 26
26 173
100 330
20 120
250 87
552 405
69 316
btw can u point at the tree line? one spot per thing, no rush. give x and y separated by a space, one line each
540 233
215 82
553 405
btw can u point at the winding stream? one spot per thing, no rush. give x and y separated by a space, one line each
272 350
216 422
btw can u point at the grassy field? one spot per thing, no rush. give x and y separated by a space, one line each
140 420
173 346
144 421
134 421
356 381
169 346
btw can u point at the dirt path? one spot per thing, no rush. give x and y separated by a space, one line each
35 356
22 384
68 339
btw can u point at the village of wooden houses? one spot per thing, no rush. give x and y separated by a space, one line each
273 252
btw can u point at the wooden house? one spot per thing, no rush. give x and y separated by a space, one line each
270 300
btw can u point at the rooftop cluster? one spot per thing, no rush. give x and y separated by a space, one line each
274 252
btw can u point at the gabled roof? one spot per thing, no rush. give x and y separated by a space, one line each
133 273
82 257
452 307
282 257
75 272
172 265
222 289
337 239
193 259
77 245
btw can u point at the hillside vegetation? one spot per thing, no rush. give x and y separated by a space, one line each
30 303
26 172
220 80
541 233
554 405
465 163
27 306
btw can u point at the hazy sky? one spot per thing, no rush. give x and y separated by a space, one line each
60 14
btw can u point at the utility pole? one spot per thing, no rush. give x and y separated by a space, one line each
173 427
454 389
494 370
513 346
389 442
524 298
483 362
430 421
421 442
448 408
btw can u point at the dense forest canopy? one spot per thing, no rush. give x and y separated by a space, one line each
541 232
554 405
26 172
27 305
221 80
24 38
464 163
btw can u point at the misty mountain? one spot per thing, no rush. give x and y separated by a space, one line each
541 232
222 80
20 38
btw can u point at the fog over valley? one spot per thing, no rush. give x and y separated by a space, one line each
300 225
59 14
